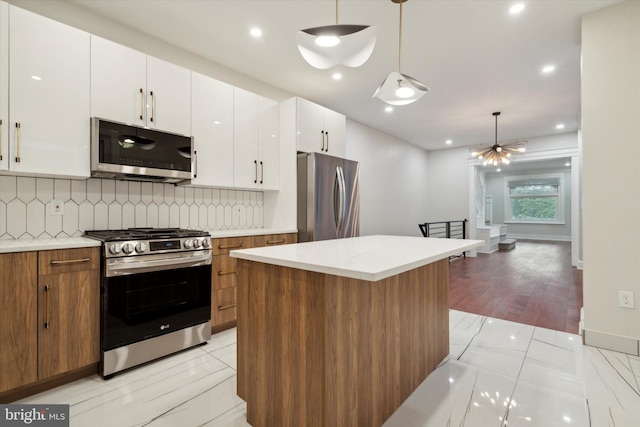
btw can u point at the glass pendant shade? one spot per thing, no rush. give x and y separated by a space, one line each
331 45
400 89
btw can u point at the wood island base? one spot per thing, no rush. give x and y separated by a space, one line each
316 349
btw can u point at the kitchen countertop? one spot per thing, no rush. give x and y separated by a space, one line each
370 258
20 245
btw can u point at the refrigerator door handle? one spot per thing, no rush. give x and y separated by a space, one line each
341 200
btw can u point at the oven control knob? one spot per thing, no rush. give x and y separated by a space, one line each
141 247
197 243
115 248
188 244
127 248
206 243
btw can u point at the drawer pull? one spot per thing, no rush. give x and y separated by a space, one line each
226 307
70 261
236 246
224 273
275 242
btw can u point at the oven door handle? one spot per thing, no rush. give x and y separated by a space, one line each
119 268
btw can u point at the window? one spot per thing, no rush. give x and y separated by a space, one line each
535 199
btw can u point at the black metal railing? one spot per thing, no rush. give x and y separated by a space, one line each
446 229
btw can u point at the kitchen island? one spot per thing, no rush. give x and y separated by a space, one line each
340 332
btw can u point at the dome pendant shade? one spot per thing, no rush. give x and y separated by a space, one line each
396 89
354 45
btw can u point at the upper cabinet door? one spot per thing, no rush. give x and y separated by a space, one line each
118 82
319 129
212 129
130 87
335 132
168 96
49 100
4 86
245 139
310 126
269 144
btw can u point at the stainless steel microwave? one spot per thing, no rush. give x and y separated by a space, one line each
123 151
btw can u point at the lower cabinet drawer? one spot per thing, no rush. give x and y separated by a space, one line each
223 306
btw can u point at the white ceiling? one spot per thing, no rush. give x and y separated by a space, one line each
474 55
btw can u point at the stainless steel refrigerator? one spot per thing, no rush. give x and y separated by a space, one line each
328 197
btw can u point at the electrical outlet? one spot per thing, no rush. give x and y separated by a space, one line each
57 207
625 299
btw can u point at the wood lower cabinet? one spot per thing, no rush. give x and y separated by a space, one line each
225 273
68 310
18 329
49 314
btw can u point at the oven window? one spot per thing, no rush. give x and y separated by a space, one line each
140 306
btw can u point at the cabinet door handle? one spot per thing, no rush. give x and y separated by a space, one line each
322 148
224 273
18 142
226 307
46 305
141 104
153 105
0 139
195 173
327 148
69 261
235 246
261 172
255 162
275 242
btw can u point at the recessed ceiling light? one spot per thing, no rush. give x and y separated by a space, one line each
516 8
448 142
256 32
567 164
336 76
388 108
548 69
216 122
498 170
560 126
36 78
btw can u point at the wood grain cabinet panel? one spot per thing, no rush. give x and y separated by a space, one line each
68 310
274 239
222 246
223 306
18 329
225 272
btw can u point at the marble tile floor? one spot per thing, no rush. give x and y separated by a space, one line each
498 374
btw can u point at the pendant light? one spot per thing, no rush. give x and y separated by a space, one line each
398 88
499 154
331 45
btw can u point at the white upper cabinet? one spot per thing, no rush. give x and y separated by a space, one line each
131 87
49 104
319 129
4 86
212 129
256 141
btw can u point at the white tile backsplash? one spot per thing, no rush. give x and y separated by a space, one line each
25 207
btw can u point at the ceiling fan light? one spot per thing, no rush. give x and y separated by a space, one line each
498 149
354 47
388 90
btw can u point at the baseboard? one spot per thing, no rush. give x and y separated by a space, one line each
539 237
612 342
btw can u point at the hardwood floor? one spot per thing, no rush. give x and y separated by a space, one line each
532 284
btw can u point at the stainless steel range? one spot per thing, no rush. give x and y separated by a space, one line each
155 294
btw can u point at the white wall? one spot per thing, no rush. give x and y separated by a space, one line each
448 185
611 176
393 177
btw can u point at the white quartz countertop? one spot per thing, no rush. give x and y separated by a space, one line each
368 258
7 246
